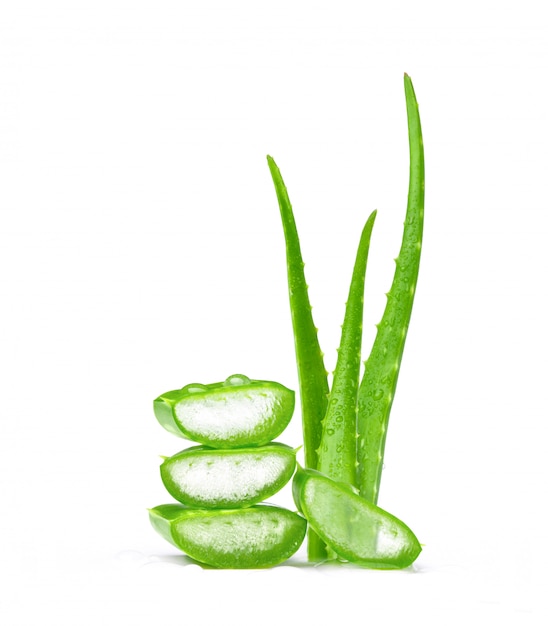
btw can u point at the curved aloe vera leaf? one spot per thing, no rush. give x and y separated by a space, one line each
226 479
382 367
353 527
256 537
313 383
337 452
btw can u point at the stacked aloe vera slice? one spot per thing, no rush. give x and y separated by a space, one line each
220 483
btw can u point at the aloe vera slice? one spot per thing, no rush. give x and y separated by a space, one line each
235 413
351 526
224 479
256 537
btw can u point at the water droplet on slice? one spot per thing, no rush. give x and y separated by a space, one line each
378 394
330 431
237 379
194 388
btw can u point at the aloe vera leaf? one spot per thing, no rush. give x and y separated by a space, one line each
378 384
351 526
313 384
337 452
311 369
256 537
237 412
206 478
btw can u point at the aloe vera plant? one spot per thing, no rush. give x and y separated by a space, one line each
345 436
344 430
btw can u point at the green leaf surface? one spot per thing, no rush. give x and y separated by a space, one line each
313 384
378 385
337 452
311 369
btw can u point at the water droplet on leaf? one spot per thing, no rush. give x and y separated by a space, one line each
237 379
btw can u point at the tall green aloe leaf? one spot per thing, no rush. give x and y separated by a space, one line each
382 367
313 383
337 453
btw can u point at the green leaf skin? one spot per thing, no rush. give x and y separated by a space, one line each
354 528
224 479
378 385
311 369
236 413
337 452
313 384
256 537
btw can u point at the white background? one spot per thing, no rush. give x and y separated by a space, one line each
141 249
